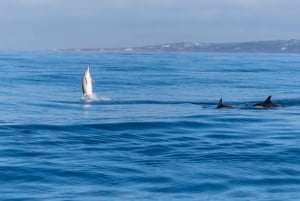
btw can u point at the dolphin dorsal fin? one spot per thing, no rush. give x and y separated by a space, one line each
220 102
268 100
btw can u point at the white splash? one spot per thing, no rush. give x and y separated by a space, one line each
93 97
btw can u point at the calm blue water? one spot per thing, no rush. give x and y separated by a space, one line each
159 137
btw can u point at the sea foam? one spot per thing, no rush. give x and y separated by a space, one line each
93 98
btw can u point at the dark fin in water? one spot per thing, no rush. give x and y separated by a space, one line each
266 104
268 100
220 104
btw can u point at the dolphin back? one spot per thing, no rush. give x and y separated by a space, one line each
266 104
87 82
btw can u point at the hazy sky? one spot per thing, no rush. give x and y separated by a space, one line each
44 24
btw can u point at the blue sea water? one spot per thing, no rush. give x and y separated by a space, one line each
156 134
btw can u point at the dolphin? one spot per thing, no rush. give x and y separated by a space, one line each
222 106
266 104
87 83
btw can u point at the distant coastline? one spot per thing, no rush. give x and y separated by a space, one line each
274 46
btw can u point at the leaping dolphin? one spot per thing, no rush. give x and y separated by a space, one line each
87 83
222 106
266 104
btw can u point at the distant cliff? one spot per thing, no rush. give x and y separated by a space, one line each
276 46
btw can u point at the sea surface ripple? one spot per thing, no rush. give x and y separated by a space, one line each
156 134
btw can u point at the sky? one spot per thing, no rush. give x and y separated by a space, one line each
50 24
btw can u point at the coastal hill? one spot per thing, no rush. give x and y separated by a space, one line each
275 46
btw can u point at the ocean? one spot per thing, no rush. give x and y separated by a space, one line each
155 132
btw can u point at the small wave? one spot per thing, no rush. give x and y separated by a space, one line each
154 102
91 98
117 126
